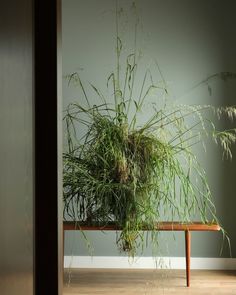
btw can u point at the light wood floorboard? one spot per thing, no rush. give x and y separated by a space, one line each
127 282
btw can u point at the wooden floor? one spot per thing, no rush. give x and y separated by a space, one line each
127 282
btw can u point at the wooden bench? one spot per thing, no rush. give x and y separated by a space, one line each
161 226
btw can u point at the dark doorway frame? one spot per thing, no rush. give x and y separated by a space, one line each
48 271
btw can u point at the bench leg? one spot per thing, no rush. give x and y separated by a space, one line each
187 255
63 249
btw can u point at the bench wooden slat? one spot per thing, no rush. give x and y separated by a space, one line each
162 226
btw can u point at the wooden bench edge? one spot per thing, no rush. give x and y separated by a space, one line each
161 226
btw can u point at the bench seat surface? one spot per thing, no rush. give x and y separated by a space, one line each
162 226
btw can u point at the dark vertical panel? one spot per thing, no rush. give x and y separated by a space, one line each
16 148
60 241
48 227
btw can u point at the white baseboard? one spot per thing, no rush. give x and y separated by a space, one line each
148 262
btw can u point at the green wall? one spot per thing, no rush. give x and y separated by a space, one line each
191 39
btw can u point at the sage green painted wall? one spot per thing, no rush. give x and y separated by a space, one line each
191 39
